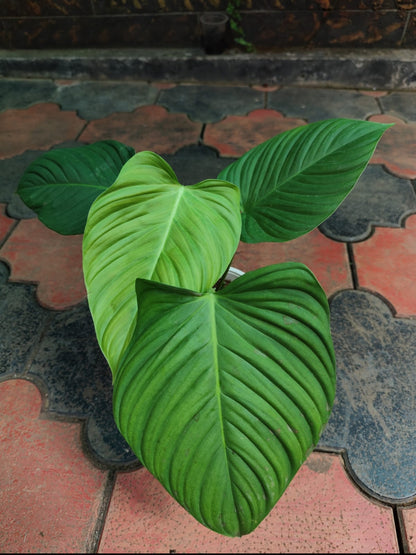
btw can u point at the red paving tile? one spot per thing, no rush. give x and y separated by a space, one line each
36 254
374 94
327 259
163 86
38 127
147 128
6 223
396 149
386 263
50 494
266 88
409 520
320 512
235 135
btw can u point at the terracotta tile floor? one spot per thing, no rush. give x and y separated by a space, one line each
68 481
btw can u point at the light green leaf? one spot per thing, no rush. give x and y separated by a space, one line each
223 395
61 185
291 183
149 226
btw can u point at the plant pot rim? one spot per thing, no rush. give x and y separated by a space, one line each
234 273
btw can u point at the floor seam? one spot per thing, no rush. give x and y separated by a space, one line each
352 265
95 540
9 232
400 531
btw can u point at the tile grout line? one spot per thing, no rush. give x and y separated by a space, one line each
84 127
353 268
93 543
157 97
400 530
9 233
201 135
380 106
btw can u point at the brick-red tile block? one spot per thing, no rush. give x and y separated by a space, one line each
163 86
38 127
320 512
266 88
327 259
397 147
36 254
386 263
235 135
50 494
409 521
5 222
146 128
374 94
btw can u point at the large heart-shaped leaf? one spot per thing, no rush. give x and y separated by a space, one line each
61 185
147 225
291 183
223 395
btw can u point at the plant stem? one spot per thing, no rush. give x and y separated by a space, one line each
220 283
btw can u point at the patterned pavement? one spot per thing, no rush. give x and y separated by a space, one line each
68 481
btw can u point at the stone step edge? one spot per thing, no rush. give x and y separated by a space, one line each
386 69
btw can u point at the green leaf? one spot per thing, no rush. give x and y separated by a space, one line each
147 225
61 185
291 183
223 395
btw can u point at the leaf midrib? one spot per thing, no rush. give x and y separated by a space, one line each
212 299
180 192
261 199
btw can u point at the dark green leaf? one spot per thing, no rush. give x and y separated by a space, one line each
291 183
61 185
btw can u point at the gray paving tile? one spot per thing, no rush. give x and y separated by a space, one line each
195 163
315 104
374 412
98 99
21 323
22 93
78 380
378 199
209 104
400 104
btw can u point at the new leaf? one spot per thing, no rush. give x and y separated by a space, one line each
61 185
147 225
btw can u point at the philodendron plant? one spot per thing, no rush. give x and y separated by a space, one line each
221 392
